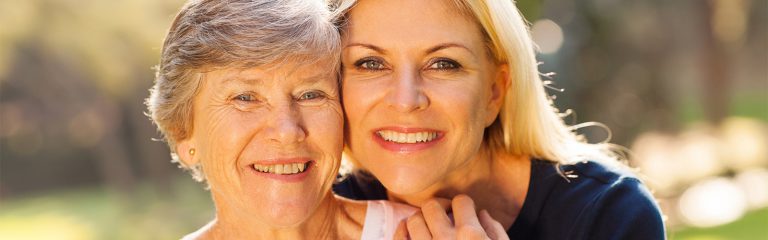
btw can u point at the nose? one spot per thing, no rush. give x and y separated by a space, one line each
286 125
406 94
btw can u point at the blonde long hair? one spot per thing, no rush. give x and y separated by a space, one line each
528 123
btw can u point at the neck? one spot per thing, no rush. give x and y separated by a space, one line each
233 224
497 182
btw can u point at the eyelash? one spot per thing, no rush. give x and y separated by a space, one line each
455 65
360 64
319 94
240 97
248 97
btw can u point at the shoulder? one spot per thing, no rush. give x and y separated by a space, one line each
353 216
622 206
382 218
597 201
588 180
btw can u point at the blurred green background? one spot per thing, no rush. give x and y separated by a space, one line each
683 84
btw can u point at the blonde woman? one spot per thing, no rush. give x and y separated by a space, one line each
443 99
247 97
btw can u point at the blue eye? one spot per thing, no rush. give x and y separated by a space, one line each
444 64
370 64
310 95
245 98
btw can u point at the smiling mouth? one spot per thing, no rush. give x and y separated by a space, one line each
282 169
414 137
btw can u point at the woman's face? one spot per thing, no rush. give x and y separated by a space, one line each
269 141
419 88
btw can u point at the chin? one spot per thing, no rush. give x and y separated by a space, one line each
286 215
281 206
408 181
287 220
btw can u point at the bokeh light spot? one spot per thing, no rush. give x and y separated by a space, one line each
547 35
712 202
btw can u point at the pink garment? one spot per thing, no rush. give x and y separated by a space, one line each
382 218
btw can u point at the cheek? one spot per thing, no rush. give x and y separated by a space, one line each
359 98
462 107
325 138
351 102
324 127
462 102
226 134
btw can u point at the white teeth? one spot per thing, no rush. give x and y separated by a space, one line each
398 137
281 169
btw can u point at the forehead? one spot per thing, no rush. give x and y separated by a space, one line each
273 74
398 22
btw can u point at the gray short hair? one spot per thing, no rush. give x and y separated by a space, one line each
233 33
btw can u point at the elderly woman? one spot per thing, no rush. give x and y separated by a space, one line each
247 98
443 98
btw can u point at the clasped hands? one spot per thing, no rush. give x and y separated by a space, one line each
433 221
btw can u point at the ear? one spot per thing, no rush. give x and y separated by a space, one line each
183 151
499 88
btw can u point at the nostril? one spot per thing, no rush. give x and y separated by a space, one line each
414 100
287 130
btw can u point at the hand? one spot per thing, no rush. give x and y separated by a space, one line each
432 222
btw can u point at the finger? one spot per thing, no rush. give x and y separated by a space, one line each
493 228
464 212
417 227
444 202
401 233
439 224
468 232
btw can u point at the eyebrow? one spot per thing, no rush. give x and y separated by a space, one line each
313 79
256 81
368 46
429 51
240 79
448 45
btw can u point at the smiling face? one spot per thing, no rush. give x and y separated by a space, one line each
419 89
269 141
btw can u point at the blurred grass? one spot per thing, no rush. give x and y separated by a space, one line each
95 213
752 105
753 225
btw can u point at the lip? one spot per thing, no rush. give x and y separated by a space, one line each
406 147
290 178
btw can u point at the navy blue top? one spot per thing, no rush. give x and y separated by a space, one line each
592 202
